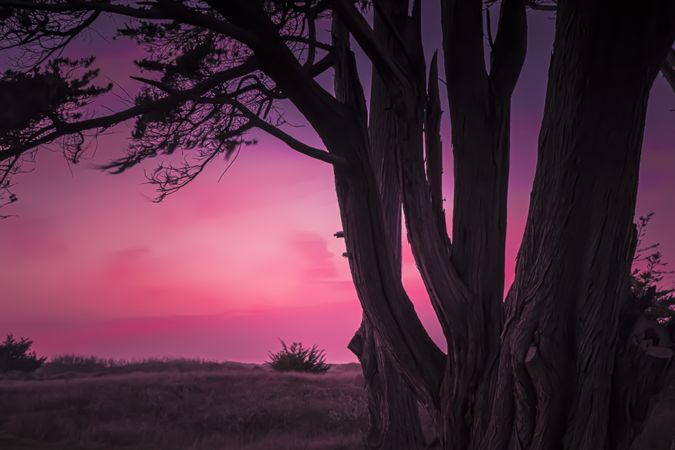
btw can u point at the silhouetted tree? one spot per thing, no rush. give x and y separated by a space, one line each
16 355
559 363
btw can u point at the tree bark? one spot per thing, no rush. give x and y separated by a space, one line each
479 101
563 361
394 421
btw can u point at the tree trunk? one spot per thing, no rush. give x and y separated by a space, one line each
572 370
394 421
563 370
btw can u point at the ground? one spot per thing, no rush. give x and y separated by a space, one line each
225 406
197 406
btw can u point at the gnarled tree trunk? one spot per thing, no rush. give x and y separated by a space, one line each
393 411
561 371
565 353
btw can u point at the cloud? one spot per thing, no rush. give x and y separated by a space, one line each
317 263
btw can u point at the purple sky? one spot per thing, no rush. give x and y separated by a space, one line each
228 265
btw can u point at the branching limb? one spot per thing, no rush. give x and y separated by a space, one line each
255 121
510 47
66 128
392 74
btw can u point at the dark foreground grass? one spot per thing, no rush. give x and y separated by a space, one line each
94 404
217 407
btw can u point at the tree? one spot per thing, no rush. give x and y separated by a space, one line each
16 355
558 364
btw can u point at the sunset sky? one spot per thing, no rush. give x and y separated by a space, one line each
236 260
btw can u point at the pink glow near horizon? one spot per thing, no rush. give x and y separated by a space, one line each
224 268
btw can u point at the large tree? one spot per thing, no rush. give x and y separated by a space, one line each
559 363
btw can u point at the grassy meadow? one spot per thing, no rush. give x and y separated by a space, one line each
166 405
93 404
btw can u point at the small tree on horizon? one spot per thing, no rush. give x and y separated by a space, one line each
16 355
298 358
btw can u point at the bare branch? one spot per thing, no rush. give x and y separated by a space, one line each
152 13
255 120
392 74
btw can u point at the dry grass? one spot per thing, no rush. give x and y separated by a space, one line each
92 404
210 407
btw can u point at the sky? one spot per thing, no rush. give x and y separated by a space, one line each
239 259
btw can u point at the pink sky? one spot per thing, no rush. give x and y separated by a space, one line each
224 268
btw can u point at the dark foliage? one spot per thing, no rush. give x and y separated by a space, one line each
16 355
297 358
647 278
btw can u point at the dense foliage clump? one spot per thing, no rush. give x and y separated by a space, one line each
297 358
16 355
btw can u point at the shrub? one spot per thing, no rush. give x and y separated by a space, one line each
297 358
17 356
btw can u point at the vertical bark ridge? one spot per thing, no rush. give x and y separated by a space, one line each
393 411
558 363
348 90
480 114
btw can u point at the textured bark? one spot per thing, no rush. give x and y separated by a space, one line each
479 110
393 411
560 371
348 90
392 406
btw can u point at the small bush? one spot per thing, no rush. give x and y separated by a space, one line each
17 356
297 358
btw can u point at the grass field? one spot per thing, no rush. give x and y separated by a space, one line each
192 405
183 405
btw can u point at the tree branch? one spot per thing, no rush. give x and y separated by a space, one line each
318 106
394 77
255 120
160 10
66 128
510 47
382 295
79 6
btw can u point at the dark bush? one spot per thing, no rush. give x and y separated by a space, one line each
17 355
297 358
